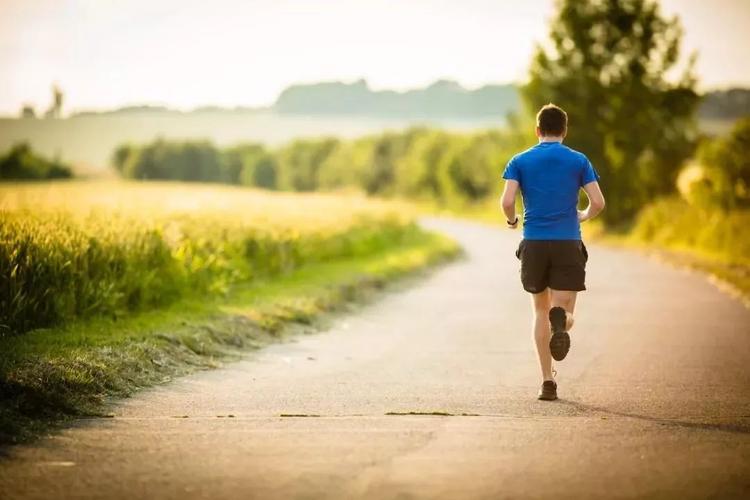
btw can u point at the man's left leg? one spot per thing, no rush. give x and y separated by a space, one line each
561 321
567 300
567 277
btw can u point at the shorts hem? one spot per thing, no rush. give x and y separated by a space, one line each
564 289
568 289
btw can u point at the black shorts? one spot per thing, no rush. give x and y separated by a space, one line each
557 264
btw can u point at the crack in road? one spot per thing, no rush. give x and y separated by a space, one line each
587 411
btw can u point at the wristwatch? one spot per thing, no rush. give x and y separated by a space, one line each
515 221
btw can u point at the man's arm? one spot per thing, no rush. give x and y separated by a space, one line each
508 202
596 202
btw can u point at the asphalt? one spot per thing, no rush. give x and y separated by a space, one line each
431 393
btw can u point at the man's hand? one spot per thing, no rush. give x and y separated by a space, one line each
512 224
583 215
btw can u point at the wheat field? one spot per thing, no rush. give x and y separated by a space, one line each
71 250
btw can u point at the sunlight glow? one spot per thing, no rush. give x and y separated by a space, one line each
187 53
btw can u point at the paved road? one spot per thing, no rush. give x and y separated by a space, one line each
655 401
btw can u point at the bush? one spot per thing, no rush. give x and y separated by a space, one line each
672 222
21 163
726 168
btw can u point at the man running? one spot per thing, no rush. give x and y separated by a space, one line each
553 257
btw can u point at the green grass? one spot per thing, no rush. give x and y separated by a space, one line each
50 375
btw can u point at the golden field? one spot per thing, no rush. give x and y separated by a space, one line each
75 249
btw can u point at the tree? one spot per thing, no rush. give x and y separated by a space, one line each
607 69
27 111
252 164
263 173
346 165
120 156
300 161
379 178
235 159
473 171
417 168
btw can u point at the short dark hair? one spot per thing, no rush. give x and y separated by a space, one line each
552 120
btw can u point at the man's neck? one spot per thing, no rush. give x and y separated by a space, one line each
550 139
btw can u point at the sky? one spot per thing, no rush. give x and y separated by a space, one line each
186 53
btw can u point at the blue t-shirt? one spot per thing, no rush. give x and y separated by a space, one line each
550 176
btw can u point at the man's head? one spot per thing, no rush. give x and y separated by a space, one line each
551 121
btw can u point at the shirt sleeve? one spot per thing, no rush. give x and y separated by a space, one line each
588 174
512 172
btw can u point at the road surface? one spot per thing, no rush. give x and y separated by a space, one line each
655 400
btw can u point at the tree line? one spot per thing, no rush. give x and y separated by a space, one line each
419 163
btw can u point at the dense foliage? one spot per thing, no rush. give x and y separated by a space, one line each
184 161
674 223
108 249
726 167
20 162
607 69
713 217
419 163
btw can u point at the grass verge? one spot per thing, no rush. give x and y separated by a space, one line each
712 241
48 376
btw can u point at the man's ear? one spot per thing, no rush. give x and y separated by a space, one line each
538 132
565 132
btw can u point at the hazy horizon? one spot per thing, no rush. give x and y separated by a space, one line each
185 55
262 107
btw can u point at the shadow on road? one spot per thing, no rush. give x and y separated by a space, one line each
737 428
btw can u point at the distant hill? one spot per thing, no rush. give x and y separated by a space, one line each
162 110
725 104
448 99
442 99
127 110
